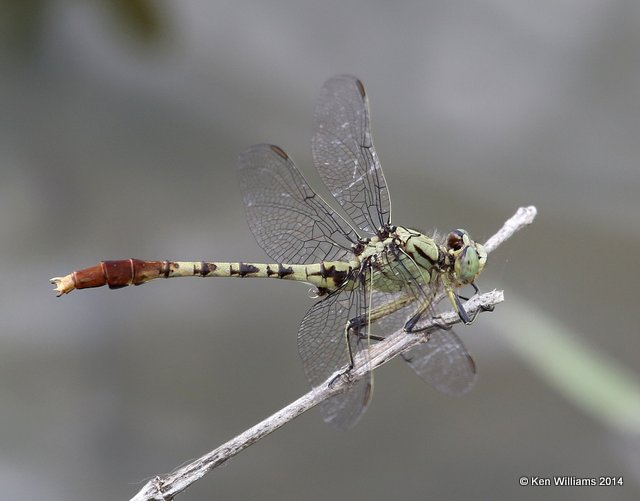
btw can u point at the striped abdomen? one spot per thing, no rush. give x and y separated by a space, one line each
326 276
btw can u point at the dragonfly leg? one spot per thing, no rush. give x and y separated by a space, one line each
355 324
353 328
475 291
457 304
482 307
348 330
410 325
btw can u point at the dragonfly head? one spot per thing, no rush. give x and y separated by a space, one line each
468 257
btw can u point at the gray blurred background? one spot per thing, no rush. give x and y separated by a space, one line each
120 124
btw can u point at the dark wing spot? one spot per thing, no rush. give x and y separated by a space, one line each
367 395
472 363
360 86
279 151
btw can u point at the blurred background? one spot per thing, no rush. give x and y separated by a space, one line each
119 128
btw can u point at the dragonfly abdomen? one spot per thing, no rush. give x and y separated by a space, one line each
326 276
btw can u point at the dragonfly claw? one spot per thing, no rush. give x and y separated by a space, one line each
345 375
64 285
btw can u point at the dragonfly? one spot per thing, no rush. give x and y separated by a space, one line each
367 272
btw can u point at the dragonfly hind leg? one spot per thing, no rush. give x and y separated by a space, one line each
356 324
353 328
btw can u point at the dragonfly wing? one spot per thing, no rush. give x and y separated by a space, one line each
287 218
443 362
344 155
345 409
323 349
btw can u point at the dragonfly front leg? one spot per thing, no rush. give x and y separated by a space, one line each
466 319
454 297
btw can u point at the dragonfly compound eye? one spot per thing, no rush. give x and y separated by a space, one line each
456 239
467 265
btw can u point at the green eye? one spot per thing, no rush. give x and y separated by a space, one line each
467 265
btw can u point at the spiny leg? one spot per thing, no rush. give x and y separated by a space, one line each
377 313
460 309
410 325
354 326
470 320
347 332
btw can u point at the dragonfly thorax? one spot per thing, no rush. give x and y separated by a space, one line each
460 258
424 250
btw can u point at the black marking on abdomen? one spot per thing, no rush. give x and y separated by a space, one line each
205 268
166 269
247 269
284 271
338 276
322 273
330 272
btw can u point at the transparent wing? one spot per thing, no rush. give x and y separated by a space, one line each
344 155
288 219
323 349
444 362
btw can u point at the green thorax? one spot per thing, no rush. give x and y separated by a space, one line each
400 253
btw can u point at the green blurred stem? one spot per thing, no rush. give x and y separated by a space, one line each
597 384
